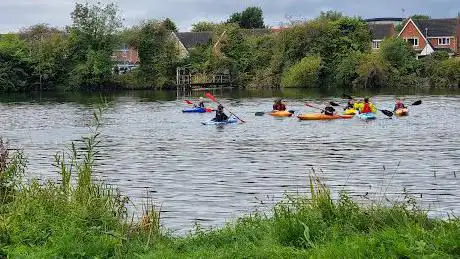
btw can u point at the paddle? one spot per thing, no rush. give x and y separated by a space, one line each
312 106
212 98
386 112
334 104
188 102
416 103
263 113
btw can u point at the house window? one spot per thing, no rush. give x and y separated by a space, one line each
412 41
444 41
376 44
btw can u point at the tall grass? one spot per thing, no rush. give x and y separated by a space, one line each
73 217
80 217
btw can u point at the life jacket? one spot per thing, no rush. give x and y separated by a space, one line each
279 107
366 108
399 106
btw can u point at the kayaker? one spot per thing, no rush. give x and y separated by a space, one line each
399 105
366 106
279 105
329 110
350 104
200 103
220 115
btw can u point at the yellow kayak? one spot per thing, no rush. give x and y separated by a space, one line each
349 112
320 116
402 112
280 113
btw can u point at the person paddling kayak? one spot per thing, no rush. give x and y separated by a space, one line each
279 105
366 106
350 105
220 115
200 104
399 105
329 110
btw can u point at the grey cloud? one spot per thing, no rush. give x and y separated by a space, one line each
15 14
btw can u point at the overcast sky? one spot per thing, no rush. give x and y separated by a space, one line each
15 14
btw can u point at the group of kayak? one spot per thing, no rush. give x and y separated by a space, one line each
364 109
220 117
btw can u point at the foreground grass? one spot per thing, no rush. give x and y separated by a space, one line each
80 218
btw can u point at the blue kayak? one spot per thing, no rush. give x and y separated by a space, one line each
197 110
367 116
212 122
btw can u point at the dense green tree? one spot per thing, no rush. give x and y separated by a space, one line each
398 54
330 15
48 48
203 26
303 74
372 71
15 67
169 25
130 37
250 18
92 41
158 55
345 72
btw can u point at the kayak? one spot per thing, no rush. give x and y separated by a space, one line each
367 116
280 113
350 112
402 112
197 110
212 122
320 116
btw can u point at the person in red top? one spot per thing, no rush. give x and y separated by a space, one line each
399 105
366 107
279 105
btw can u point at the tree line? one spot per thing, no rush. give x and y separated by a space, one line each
331 50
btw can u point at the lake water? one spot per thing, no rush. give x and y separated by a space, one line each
210 174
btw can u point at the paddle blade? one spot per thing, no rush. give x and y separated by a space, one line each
417 102
211 97
260 113
188 102
334 104
291 111
387 113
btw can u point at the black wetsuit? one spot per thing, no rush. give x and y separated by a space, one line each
329 110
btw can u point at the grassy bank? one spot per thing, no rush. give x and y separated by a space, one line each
77 217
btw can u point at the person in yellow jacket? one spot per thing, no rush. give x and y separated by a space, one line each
365 107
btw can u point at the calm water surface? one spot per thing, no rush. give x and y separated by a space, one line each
210 174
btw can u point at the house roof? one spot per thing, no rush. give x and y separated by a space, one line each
380 31
385 19
192 39
437 27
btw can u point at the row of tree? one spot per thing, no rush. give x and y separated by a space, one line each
330 51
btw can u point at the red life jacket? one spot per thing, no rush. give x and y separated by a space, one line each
366 108
399 106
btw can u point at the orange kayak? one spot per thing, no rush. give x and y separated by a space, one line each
280 113
320 116
402 112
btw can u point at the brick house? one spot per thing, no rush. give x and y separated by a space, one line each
429 35
125 59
